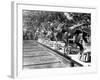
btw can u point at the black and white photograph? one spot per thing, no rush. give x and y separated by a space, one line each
53 39
56 39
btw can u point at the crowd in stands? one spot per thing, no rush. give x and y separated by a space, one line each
74 32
